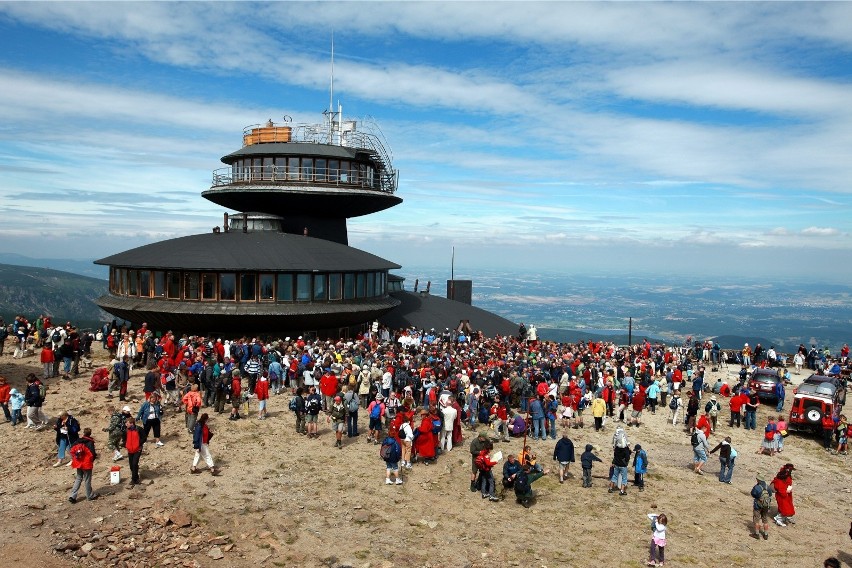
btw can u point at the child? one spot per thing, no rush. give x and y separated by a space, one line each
780 432
640 466
529 458
486 478
768 444
658 540
390 452
587 458
842 436
16 403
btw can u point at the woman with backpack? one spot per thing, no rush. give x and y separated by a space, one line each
67 432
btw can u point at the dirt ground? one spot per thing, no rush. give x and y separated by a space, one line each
283 500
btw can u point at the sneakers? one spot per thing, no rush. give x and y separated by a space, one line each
215 471
780 522
765 535
72 500
117 456
493 498
398 481
58 463
159 444
194 470
388 481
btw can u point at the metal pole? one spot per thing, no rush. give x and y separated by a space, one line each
630 333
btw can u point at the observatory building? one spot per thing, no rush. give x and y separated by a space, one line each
282 262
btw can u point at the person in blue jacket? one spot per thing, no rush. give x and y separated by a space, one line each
640 466
537 416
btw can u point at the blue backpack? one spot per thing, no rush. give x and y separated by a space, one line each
376 411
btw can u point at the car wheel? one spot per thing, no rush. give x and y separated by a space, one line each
813 414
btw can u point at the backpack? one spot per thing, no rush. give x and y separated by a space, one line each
673 403
436 426
376 411
42 391
313 406
352 405
620 439
293 405
522 484
56 336
80 455
764 501
694 439
389 451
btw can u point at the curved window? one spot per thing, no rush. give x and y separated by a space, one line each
248 291
285 288
334 286
321 169
132 283
266 287
227 286
360 285
159 283
303 287
190 285
208 286
144 283
348 286
371 284
173 285
333 170
319 294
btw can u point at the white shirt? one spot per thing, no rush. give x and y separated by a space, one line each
449 417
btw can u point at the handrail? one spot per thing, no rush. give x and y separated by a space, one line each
272 174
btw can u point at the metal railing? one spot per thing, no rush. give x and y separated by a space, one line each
272 174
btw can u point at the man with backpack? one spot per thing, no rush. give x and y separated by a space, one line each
390 452
481 442
762 495
34 397
620 461
376 411
712 409
83 457
524 479
700 448
352 403
313 406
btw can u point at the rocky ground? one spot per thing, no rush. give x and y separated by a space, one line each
283 500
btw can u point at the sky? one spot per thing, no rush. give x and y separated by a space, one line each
590 138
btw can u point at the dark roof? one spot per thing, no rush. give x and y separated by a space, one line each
425 311
260 250
297 149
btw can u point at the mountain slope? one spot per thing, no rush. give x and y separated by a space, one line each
29 291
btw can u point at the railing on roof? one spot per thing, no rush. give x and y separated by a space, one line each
345 133
272 174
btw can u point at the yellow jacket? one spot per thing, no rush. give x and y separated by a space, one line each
598 408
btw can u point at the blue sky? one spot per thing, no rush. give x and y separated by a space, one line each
663 138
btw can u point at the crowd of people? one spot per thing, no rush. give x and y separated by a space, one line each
417 391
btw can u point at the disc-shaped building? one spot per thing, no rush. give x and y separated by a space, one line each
282 262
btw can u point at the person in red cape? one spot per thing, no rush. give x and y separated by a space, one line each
783 486
458 436
424 442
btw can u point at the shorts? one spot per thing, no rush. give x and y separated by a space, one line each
338 426
261 405
636 413
311 418
699 455
375 423
760 516
393 466
619 472
473 468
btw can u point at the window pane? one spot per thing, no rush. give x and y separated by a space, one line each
227 286
348 286
293 168
362 281
208 286
307 169
334 281
120 275
371 283
266 289
303 287
285 287
190 285
333 170
144 283
247 287
173 291
319 288
320 165
344 171
133 283
159 283
267 168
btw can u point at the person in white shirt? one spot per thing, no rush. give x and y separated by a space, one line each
447 430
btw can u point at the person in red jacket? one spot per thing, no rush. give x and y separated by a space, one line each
47 359
704 424
261 390
424 442
236 395
5 396
83 456
486 479
328 388
132 441
736 405
638 403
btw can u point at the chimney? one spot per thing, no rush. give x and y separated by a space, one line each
225 225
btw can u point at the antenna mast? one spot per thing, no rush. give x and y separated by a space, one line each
331 95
